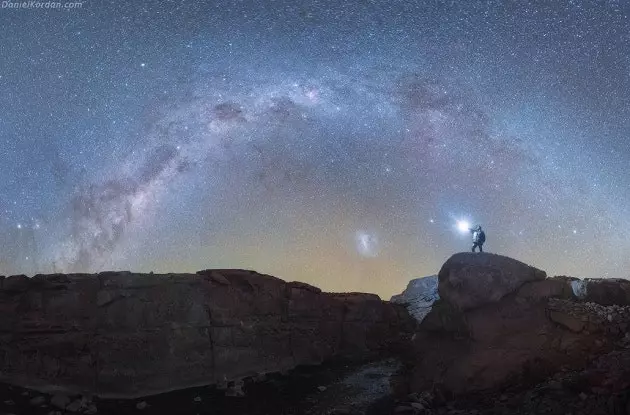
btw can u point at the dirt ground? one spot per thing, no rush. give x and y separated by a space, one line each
334 388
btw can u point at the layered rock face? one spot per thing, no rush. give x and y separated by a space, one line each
129 335
500 322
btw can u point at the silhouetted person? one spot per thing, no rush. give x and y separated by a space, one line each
479 237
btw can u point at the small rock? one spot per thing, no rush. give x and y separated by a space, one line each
9 402
91 410
60 401
234 388
321 388
417 405
38 401
197 399
75 406
235 392
413 397
25 393
427 396
583 396
142 405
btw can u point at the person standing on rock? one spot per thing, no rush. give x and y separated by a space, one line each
479 237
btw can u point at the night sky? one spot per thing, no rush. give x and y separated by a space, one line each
334 142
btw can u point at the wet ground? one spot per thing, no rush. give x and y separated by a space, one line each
341 388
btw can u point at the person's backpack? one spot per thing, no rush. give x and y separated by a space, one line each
481 237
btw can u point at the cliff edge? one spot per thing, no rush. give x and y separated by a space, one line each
124 335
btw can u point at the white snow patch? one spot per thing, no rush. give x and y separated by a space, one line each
419 296
580 288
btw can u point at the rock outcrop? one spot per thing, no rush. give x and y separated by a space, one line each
419 296
608 291
500 322
120 334
468 281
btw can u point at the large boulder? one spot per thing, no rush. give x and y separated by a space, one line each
500 323
123 335
419 296
468 280
607 291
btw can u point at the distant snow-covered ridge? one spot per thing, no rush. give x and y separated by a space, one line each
419 296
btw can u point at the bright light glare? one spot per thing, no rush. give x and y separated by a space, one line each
463 226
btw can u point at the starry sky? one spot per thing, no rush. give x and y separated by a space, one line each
334 142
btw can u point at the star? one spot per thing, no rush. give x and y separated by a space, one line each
287 143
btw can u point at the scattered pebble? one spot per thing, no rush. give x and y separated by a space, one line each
91 410
75 406
235 392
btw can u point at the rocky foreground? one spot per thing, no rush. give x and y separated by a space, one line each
503 338
489 335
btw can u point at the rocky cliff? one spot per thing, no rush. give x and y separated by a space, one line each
119 334
500 322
